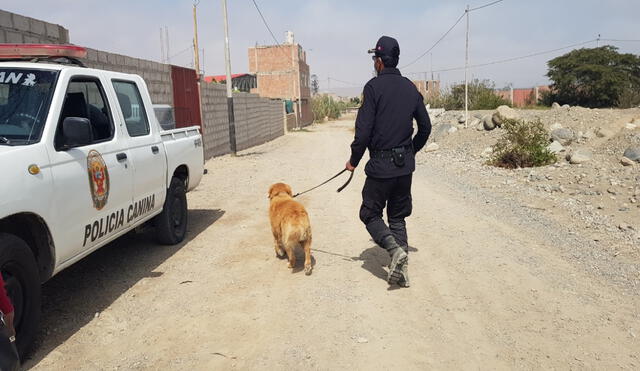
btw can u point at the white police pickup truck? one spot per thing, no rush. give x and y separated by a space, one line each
83 161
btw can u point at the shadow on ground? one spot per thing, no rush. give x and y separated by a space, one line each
72 298
376 260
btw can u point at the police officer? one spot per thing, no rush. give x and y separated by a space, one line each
384 125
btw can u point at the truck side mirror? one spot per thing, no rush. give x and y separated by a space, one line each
76 132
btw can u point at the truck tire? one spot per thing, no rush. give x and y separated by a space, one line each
171 223
22 282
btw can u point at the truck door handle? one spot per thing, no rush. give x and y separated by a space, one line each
121 156
155 150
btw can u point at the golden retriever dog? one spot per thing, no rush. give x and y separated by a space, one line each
290 225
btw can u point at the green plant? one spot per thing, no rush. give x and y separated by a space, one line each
596 77
481 94
325 106
523 144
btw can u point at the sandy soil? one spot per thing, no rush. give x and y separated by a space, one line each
493 286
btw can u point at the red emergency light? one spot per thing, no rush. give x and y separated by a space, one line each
20 51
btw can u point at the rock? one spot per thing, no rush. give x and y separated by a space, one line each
563 135
461 119
630 126
580 156
626 161
487 123
442 130
504 113
555 147
566 106
554 126
632 153
432 147
474 123
604 133
555 105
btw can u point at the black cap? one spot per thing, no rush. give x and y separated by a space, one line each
386 46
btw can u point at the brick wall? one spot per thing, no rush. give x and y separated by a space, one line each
18 29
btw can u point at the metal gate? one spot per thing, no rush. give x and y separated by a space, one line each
186 101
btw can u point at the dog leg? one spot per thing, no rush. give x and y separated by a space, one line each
278 248
292 256
307 256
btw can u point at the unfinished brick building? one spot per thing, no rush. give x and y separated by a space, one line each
282 72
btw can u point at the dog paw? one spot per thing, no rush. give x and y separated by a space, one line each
307 270
290 266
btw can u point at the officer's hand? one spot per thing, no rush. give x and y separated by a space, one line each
349 167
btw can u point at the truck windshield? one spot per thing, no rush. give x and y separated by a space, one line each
25 95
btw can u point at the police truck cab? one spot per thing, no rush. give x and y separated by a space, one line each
83 161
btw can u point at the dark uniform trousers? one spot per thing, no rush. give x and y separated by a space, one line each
395 194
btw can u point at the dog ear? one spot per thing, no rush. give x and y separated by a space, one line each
289 191
270 193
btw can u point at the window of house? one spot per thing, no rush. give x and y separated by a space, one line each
132 108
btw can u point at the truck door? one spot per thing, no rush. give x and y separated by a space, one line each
145 145
92 184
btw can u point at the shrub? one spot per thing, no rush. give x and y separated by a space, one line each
523 144
481 93
325 106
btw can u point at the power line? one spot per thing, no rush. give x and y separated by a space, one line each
620 40
437 42
512 58
486 5
449 30
345 82
181 52
265 22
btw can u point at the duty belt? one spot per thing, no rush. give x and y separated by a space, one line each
388 153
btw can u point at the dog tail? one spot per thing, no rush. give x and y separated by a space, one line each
297 234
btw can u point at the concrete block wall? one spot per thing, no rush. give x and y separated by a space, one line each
257 120
156 75
18 29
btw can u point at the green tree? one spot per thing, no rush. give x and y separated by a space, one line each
595 77
315 84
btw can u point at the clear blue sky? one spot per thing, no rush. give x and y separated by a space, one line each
336 34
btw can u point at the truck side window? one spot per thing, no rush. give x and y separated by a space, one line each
85 98
133 111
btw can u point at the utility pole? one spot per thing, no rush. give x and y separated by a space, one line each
163 57
431 66
166 40
598 41
227 59
466 68
196 51
196 61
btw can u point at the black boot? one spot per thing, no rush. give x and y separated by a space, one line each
398 259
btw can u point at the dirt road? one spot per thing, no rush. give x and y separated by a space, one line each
490 289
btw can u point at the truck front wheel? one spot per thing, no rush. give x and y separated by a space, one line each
171 224
22 282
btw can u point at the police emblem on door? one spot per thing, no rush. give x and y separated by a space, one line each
98 179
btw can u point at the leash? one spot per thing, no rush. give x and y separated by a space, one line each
327 181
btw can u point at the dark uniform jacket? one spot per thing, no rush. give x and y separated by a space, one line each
385 121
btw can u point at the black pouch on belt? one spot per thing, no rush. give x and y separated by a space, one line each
398 155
